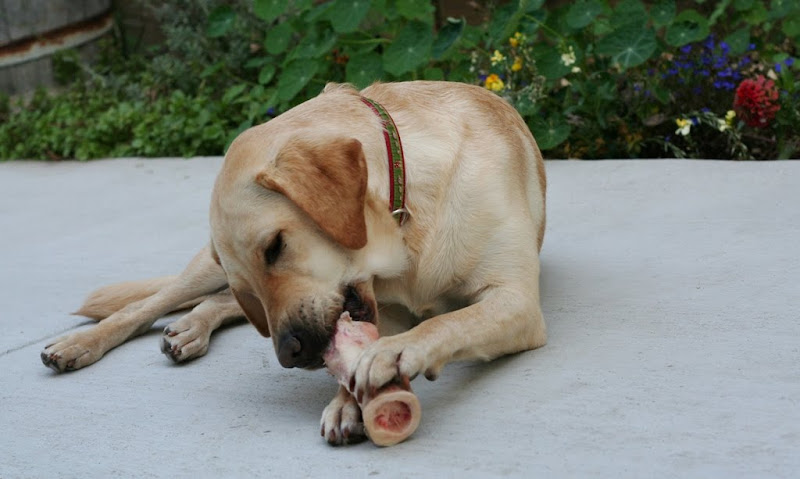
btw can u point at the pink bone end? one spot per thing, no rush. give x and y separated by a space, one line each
394 412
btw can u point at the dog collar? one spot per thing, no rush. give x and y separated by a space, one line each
397 162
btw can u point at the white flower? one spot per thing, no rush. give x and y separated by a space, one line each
684 127
568 57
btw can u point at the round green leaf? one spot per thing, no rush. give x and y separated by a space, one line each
363 70
687 27
502 19
220 21
781 8
582 13
629 46
738 41
315 44
278 38
627 12
534 5
602 26
550 64
416 10
525 105
269 10
346 15
294 77
662 12
409 49
791 26
757 14
447 36
551 132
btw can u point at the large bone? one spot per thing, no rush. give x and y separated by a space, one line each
393 412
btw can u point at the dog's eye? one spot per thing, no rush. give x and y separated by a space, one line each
273 251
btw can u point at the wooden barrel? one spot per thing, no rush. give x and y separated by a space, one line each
32 30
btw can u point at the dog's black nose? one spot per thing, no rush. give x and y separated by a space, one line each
301 349
289 349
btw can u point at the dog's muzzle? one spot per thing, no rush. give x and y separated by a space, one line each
304 342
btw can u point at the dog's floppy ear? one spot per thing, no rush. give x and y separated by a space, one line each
328 181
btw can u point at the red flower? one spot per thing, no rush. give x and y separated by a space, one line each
756 101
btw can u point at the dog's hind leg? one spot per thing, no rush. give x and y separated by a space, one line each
107 300
203 276
188 337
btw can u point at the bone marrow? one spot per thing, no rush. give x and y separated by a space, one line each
394 412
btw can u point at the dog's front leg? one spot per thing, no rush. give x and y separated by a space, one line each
74 351
503 321
341 420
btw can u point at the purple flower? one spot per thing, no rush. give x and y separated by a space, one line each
705 109
778 67
789 62
686 48
724 46
752 46
695 121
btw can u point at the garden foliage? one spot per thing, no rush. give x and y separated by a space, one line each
592 78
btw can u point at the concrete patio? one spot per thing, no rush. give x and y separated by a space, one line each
671 291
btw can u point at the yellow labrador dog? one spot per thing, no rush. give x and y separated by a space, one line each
418 206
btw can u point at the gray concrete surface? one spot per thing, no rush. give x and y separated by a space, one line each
670 289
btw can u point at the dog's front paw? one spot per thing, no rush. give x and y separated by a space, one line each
185 339
390 358
71 352
341 420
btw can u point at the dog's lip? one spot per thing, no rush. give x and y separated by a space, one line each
359 309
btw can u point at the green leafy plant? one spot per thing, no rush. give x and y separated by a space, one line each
592 78
617 76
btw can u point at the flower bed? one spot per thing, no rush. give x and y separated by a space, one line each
592 78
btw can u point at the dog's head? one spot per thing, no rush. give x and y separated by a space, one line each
288 225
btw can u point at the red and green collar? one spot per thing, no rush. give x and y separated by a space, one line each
397 162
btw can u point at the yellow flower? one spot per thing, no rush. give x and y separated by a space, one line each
729 117
494 83
517 66
497 57
516 39
684 126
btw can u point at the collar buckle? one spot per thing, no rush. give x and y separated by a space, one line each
401 215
